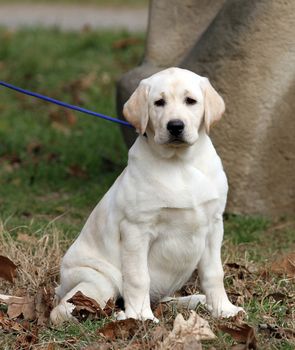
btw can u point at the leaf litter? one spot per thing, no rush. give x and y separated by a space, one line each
242 333
88 308
284 265
7 269
29 299
187 334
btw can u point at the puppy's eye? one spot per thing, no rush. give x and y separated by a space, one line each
160 103
190 101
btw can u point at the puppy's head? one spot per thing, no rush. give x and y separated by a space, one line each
172 105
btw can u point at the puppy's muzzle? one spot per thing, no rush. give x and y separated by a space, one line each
175 127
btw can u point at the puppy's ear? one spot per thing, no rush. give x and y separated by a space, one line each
135 110
214 104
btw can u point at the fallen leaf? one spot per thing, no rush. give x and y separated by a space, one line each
10 158
278 296
159 333
76 171
62 120
8 325
18 306
7 269
241 269
236 298
63 116
285 265
277 332
63 129
126 42
234 265
2 65
161 310
43 305
104 346
52 157
49 346
86 307
34 148
26 214
188 333
240 347
33 308
242 333
123 329
77 86
25 340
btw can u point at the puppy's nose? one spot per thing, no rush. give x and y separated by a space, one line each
175 127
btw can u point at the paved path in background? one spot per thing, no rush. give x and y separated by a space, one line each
73 17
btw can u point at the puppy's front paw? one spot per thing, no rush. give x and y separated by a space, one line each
226 310
142 315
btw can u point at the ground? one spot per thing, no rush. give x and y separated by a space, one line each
54 167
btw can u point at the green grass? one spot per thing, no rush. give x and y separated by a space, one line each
54 168
71 164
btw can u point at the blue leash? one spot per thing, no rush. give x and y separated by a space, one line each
66 105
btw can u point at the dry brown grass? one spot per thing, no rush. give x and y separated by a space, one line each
267 297
37 258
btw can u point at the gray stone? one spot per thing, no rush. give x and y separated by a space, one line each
247 50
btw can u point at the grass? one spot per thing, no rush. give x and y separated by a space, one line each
54 167
55 163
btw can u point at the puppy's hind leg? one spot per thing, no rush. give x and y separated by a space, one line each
63 311
95 286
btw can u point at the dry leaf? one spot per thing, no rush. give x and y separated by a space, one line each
8 325
126 42
13 159
159 333
104 346
77 86
86 307
49 346
240 270
123 329
285 265
43 305
35 308
18 306
277 332
25 340
34 148
242 333
240 347
187 334
7 269
76 171
278 296
63 129
161 310
63 116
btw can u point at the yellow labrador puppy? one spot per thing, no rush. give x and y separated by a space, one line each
162 218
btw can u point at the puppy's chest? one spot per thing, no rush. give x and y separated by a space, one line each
175 196
175 220
179 241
